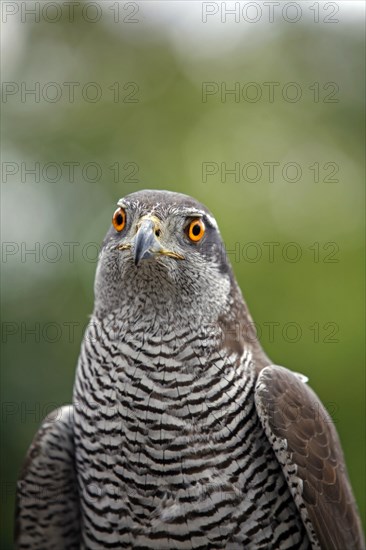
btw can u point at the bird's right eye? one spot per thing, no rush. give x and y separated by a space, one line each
119 219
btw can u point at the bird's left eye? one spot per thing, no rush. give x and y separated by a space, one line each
195 230
119 219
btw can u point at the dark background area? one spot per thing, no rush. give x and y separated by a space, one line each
140 98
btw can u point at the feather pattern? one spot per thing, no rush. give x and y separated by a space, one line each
307 446
48 506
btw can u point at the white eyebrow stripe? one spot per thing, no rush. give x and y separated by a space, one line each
121 202
211 220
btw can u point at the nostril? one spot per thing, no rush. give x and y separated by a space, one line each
157 232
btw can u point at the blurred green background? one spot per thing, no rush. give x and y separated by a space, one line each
121 104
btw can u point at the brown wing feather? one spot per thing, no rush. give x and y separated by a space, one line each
47 507
308 448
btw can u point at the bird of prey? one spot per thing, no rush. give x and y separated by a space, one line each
182 433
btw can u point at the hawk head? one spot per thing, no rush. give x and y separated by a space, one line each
164 253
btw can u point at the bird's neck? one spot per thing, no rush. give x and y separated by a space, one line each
160 312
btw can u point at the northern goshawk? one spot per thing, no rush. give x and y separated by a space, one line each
182 433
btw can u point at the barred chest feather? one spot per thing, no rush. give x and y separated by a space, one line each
169 449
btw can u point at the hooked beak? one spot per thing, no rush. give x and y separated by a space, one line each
146 244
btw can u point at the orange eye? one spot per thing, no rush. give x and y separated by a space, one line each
119 219
196 230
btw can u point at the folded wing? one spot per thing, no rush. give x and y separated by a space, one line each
307 446
47 507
